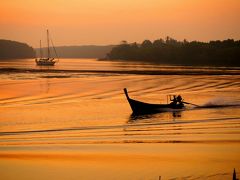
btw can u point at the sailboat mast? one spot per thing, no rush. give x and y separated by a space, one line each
48 43
40 49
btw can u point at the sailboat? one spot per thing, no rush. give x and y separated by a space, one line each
48 61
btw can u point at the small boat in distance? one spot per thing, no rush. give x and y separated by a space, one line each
139 107
48 61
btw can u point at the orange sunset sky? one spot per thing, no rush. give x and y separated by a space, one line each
79 22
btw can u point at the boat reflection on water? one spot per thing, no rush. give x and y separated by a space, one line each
172 116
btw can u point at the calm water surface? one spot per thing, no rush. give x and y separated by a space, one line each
73 121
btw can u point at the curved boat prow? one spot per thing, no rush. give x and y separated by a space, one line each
126 93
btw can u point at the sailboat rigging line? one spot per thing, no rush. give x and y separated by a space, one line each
54 49
41 54
48 44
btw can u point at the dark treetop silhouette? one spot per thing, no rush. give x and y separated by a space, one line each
173 52
15 50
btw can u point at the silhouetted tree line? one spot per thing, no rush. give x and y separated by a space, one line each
15 50
173 52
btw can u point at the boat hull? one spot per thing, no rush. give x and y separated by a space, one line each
139 107
45 62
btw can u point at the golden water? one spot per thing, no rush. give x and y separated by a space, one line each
74 122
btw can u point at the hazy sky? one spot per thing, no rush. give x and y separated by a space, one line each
78 22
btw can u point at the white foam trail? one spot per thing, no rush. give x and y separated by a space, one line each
222 101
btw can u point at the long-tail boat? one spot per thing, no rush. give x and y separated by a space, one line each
139 107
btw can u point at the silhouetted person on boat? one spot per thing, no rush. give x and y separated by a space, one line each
174 100
179 99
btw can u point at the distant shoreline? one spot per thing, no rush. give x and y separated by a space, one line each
224 53
193 71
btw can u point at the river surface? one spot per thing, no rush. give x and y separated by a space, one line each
72 121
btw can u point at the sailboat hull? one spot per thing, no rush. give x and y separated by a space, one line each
45 62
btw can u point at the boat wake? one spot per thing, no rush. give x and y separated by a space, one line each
220 103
